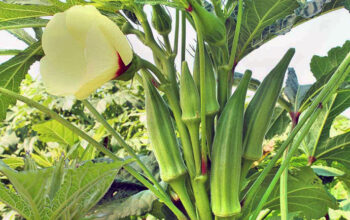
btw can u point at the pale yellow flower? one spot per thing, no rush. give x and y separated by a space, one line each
83 50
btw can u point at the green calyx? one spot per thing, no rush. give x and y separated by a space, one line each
227 153
131 69
161 20
162 135
212 28
259 111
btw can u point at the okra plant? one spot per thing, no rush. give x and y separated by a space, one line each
208 140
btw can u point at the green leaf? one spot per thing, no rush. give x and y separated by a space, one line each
258 14
327 171
306 194
15 201
12 72
52 192
347 5
279 123
335 149
30 186
294 91
136 205
22 35
340 104
23 23
83 188
31 2
276 18
312 139
52 131
9 12
324 65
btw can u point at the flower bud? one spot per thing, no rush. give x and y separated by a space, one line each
83 50
161 20
213 29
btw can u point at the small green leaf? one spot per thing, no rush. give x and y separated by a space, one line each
52 131
12 72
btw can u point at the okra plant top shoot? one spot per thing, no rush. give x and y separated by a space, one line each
207 140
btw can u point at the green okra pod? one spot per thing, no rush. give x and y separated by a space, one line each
190 106
165 147
227 154
259 111
162 135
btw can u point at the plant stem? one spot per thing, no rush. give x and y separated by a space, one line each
236 37
154 69
183 36
284 164
167 43
202 91
176 38
331 86
201 195
193 128
121 141
284 190
179 187
94 143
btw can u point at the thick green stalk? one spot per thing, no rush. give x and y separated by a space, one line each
180 188
121 141
154 69
331 86
97 145
201 195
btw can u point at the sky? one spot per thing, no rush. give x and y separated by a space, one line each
314 37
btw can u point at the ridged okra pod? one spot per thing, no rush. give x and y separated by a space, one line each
259 111
165 146
162 135
212 106
161 20
227 154
190 106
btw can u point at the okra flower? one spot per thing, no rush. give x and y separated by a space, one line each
83 50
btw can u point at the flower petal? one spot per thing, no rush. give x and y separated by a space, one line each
102 62
117 39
